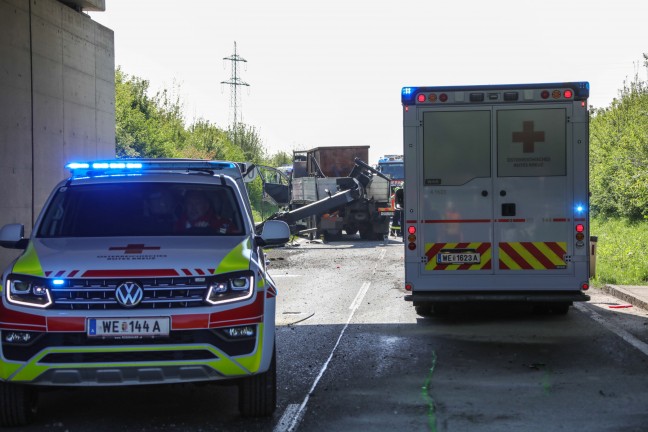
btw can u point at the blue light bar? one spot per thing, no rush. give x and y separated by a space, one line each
77 165
58 282
126 167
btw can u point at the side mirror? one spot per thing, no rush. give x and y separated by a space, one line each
12 236
274 233
399 198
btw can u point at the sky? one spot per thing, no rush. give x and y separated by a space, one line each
330 73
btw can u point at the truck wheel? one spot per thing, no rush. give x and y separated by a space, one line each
258 393
366 233
17 404
351 230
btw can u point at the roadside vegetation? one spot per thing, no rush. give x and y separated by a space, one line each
619 185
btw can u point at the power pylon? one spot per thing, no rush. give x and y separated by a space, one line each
235 82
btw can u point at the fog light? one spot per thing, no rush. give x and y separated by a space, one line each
240 332
18 337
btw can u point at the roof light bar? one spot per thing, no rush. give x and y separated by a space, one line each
108 167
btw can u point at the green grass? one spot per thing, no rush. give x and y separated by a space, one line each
621 255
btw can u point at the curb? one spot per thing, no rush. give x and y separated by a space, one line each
623 294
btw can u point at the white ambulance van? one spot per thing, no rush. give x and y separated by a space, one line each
140 272
496 197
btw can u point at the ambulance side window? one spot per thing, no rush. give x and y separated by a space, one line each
456 147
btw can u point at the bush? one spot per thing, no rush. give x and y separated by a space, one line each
621 257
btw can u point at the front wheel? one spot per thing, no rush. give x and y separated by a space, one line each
258 393
17 404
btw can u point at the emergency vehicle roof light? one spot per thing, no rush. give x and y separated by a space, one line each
132 166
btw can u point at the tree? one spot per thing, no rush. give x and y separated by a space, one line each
146 126
619 154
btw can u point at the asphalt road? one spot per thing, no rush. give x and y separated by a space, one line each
353 356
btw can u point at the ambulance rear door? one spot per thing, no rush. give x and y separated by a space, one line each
495 204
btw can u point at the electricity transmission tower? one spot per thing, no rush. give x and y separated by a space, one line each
235 82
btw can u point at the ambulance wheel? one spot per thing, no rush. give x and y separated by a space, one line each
258 393
560 308
18 404
423 309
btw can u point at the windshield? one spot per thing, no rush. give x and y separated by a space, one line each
142 209
393 170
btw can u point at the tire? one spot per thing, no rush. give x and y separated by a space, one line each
351 230
560 308
18 404
423 309
366 233
258 393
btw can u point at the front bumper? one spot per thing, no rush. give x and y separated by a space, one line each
186 356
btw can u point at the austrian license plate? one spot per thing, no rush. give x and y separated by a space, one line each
119 327
459 257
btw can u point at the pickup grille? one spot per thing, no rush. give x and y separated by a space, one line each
159 293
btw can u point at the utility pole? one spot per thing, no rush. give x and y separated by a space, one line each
235 82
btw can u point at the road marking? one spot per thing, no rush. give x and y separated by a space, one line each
284 421
355 304
382 255
286 424
626 336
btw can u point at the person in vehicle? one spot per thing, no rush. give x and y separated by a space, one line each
199 215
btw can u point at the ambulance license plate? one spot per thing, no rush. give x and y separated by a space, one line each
459 257
120 327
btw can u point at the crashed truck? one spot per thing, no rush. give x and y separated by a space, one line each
330 190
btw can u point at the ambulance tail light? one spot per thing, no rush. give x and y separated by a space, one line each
408 286
411 238
584 286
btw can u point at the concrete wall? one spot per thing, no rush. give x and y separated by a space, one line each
57 102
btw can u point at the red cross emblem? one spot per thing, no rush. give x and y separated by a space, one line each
528 137
134 248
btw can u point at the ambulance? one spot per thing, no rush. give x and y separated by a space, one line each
496 197
140 272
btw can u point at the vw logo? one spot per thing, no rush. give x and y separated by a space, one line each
129 294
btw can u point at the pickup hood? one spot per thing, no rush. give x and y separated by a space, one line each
135 257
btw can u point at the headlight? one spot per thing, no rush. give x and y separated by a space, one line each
230 287
28 291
